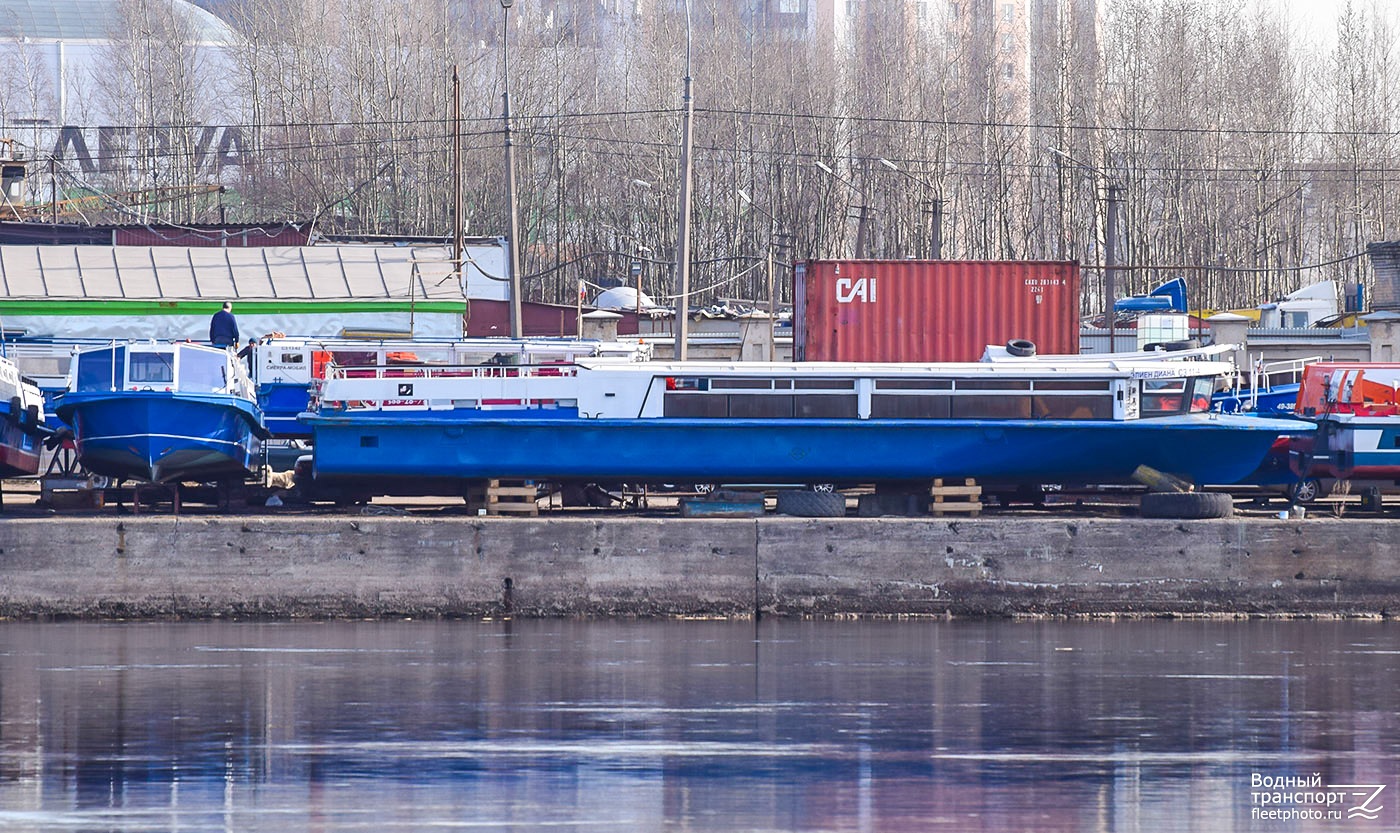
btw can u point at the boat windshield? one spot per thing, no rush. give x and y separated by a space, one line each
1174 396
203 371
98 369
151 367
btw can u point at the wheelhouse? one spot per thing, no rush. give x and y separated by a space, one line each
189 368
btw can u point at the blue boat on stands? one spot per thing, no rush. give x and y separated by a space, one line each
1066 420
163 413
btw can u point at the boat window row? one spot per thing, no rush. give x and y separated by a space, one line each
836 398
1079 399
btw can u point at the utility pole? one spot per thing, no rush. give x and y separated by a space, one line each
936 230
682 329
862 227
517 326
457 183
1110 261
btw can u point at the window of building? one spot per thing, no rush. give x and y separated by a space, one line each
789 6
1008 12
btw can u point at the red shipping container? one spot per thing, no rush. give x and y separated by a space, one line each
932 310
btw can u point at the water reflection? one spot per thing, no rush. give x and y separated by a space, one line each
779 725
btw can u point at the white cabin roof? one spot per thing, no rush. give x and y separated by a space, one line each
361 272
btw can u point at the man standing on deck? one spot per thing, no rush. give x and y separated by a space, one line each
223 328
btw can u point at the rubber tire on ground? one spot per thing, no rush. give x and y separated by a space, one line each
1306 490
806 504
1186 505
1020 348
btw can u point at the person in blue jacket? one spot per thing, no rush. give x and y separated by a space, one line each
223 328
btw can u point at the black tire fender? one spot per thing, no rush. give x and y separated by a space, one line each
1021 348
1186 505
803 503
1184 344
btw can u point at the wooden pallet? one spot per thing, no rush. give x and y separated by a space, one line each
504 497
964 499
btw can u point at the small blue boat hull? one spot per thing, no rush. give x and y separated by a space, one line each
163 436
281 403
1277 400
1207 448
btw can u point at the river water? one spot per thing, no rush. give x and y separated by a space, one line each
700 726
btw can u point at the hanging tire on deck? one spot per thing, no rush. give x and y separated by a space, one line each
1020 348
808 504
1186 505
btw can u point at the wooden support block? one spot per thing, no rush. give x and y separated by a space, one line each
964 499
504 497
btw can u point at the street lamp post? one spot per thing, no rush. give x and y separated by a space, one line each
862 223
517 326
1110 258
935 202
637 251
772 285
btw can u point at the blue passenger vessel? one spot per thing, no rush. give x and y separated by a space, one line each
1065 420
163 412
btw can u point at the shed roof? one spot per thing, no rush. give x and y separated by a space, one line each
95 20
346 272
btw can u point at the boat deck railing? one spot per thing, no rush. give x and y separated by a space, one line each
427 371
1282 372
367 391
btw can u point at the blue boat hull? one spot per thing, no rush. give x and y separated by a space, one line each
281 403
163 436
1212 449
1277 400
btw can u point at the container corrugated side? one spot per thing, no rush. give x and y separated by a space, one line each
926 311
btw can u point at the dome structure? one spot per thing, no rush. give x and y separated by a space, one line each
93 20
622 298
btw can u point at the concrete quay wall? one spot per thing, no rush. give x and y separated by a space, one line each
402 566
